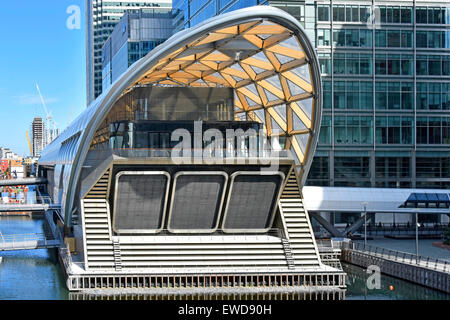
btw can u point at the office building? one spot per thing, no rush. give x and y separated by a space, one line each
101 18
138 32
385 68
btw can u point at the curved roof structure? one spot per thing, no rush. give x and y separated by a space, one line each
261 52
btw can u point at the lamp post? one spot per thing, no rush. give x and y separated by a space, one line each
365 223
417 234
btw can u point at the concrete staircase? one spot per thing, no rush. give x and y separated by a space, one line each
298 227
97 228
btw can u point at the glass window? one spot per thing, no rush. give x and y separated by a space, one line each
434 96
421 15
339 94
340 130
421 39
446 65
393 130
381 130
323 37
325 63
393 95
319 172
339 38
325 130
382 13
352 95
434 65
393 64
339 63
365 38
434 39
422 96
422 131
352 37
339 13
434 130
327 95
407 65
380 38
380 64
407 130
365 64
352 63
381 96
355 13
366 95
406 39
406 14
351 167
364 13
396 15
422 65
393 38
366 130
407 95
323 13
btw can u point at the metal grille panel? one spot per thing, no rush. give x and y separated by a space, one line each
197 201
252 201
140 201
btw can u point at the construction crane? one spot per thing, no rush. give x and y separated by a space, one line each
48 118
29 143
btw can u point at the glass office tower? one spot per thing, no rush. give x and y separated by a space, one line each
135 35
386 84
102 17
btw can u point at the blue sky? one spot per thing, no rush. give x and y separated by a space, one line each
37 47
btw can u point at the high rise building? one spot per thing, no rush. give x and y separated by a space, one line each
188 13
38 136
102 16
137 33
386 88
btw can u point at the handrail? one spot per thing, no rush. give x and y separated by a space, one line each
404 257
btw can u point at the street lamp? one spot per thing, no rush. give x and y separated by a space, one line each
365 223
416 210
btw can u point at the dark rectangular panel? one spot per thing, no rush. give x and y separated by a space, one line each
196 202
252 201
140 201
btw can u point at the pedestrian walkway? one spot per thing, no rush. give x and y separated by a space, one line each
403 257
26 242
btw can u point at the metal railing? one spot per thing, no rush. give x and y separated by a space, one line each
403 257
22 241
404 228
218 153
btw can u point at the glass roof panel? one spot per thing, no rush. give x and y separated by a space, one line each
270 96
275 81
302 72
294 89
291 43
297 124
281 110
306 106
302 140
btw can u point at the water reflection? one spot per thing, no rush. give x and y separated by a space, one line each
402 290
36 274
